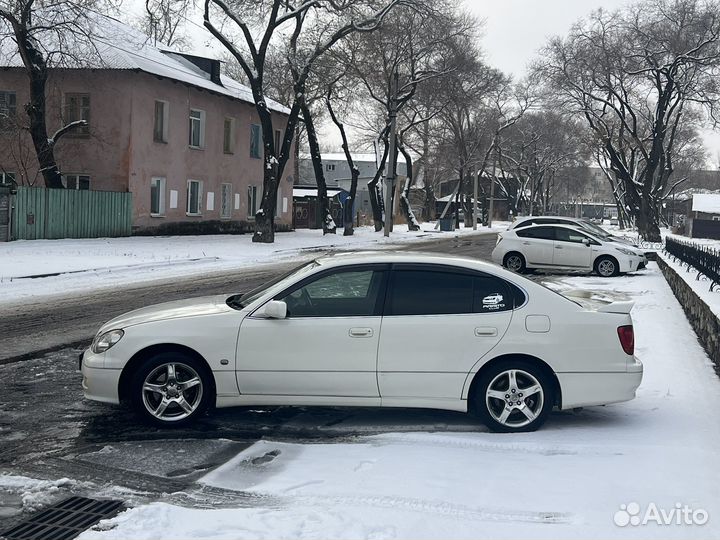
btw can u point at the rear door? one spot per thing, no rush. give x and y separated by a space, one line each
537 245
438 322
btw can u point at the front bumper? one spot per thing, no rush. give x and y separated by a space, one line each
600 388
99 383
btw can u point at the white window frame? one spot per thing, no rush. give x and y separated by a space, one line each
229 144
8 111
226 189
162 181
7 177
330 167
165 121
199 197
73 113
252 201
200 120
76 177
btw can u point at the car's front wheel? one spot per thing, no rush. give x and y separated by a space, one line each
171 389
606 266
514 396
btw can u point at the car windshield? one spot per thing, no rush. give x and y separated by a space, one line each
241 301
589 225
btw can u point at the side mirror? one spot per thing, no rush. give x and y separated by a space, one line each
275 309
586 241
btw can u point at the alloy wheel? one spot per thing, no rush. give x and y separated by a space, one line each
514 263
172 391
514 398
606 268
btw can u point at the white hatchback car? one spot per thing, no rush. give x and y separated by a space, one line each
566 248
371 329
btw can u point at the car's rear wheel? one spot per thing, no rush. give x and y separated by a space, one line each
171 389
514 262
606 266
514 396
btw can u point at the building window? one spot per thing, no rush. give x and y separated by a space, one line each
255 141
229 135
77 107
8 108
252 201
7 177
157 196
197 129
76 181
194 196
162 117
330 167
277 142
225 196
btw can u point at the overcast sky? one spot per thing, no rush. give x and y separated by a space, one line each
516 29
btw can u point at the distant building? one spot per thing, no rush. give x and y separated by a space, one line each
185 140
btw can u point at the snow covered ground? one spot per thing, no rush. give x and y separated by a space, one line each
83 265
576 478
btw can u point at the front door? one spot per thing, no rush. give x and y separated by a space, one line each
439 321
570 251
327 345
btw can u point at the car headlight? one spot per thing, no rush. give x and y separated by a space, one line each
103 342
627 252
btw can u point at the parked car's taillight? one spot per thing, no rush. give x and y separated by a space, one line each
499 238
627 338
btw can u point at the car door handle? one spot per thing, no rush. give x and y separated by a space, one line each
361 332
558 247
485 331
526 243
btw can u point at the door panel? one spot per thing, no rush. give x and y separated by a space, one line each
569 251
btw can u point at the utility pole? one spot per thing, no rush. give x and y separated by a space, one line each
390 167
491 208
475 196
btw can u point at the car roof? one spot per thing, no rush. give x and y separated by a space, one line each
527 218
564 226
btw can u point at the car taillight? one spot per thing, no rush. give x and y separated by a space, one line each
499 238
627 339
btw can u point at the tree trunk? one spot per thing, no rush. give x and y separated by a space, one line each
328 223
647 220
412 222
376 200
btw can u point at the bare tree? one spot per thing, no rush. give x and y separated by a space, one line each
164 21
46 36
259 23
634 75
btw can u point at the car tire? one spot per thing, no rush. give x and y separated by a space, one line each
507 407
514 262
607 266
171 389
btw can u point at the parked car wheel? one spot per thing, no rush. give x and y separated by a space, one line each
513 397
514 262
607 267
171 389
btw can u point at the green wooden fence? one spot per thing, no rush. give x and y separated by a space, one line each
66 213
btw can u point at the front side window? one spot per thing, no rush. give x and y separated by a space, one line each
76 181
77 107
197 128
160 129
340 294
194 196
542 233
157 196
255 141
569 235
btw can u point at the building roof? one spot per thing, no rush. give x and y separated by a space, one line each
357 157
313 192
708 203
122 47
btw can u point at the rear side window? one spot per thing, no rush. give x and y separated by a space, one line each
544 233
430 292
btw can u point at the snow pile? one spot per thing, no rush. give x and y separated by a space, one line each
34 493
568 480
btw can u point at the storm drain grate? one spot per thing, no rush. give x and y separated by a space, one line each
65 520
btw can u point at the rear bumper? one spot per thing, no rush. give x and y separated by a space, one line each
599 388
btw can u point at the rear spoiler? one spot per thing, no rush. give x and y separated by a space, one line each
607 307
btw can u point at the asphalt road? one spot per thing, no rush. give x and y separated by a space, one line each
36 327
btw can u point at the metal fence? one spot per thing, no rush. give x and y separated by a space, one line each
704 259
66 213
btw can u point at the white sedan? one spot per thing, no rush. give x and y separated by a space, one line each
565 247
371 329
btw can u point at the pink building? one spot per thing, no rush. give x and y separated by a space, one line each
169 128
